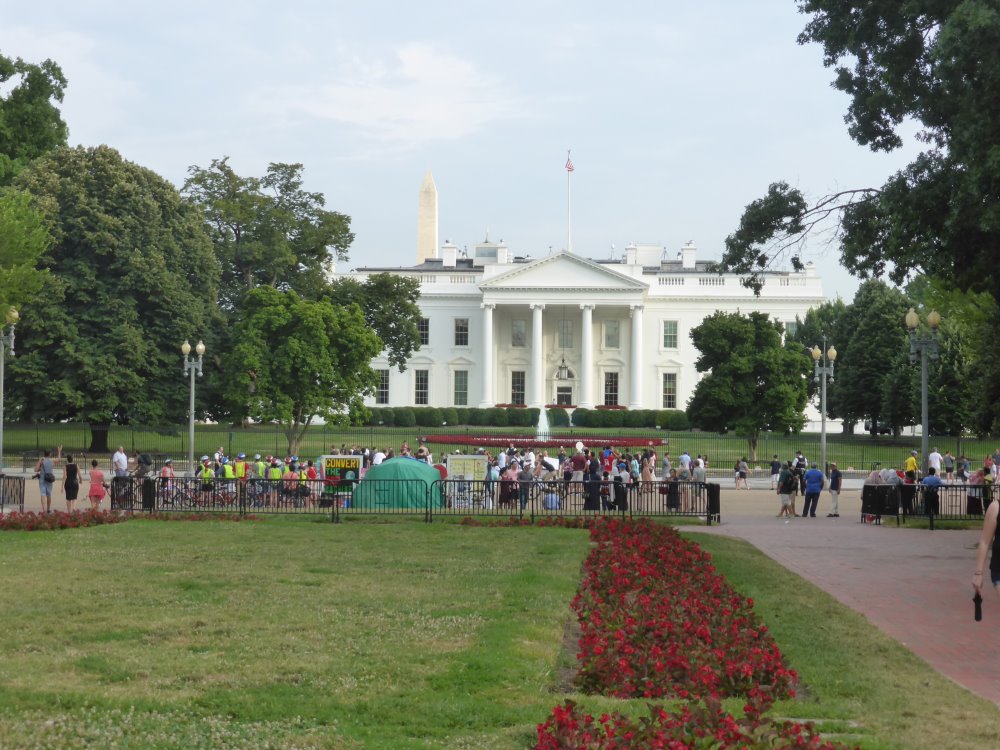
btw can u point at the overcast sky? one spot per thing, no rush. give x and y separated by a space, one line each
677 114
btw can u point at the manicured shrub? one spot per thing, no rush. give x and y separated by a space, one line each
496 417
613 418
558 417
405 416
461 415
476 417
635 418
450 416
581 417
672 419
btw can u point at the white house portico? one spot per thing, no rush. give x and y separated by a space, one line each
561 294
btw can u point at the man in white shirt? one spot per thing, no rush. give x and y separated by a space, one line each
502 460
685 461
378 458
120 462
934 461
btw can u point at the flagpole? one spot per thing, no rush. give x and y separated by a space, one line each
569 204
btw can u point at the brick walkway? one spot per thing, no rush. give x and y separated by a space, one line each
914 585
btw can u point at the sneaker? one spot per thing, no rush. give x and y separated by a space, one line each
835 515
830 515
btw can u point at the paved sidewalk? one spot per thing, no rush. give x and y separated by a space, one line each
914 585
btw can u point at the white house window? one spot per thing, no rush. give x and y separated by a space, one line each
564 395
669 334
461 331
670 390
461 387
518 333
612 334
382 392
517 381
792 327
565 334
421 388
611 389
424 327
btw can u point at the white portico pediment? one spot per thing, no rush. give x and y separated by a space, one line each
561 275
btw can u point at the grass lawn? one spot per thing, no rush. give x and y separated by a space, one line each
293 633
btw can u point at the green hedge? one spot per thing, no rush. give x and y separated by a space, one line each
558 417
510 416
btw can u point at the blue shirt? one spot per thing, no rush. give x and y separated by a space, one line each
814 480
932 480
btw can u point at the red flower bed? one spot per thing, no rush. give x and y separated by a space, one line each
528 440
564 522
83 518
658 621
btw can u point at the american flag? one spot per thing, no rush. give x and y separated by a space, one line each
569 164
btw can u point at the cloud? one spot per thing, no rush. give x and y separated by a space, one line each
420 94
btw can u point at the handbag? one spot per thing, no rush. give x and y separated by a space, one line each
50 478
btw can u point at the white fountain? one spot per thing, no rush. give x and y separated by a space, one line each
542 431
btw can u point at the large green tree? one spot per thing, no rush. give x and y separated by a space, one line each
268 230
753 381
826 324
875 364
317 362
131 274
389 304
23 238
932 62
30 122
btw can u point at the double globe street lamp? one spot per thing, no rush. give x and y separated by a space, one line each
926 345
6 342
821 373
192 366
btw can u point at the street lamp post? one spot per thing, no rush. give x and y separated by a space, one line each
821 374
6 342
926 345
192 366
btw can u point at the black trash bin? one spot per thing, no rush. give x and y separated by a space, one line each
149 494
714 502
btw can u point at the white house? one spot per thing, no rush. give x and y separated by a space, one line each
564 329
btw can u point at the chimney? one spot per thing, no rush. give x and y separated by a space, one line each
688 255
630 253
449 253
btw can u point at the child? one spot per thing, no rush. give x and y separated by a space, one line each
606 492
96 492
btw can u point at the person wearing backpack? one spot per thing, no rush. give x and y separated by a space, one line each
787 483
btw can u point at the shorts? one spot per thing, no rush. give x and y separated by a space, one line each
786 500
206 486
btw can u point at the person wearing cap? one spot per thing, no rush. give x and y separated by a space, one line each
207 476
240 467
835 483
259 467
814 486
910 468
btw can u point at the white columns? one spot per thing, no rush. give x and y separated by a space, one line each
537 372
635 386
487 399
586 396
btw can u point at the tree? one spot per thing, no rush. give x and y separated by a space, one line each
130 275
23 238
295 359
826 322
268 230
930 61
390 307
754 382
30 123
876 349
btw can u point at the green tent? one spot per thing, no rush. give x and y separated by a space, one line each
396 484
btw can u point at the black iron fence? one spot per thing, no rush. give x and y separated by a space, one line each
952 502
439 499
11 493
858 452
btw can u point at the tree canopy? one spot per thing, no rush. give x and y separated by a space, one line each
938 64
23 238
131 274
754 382
389 304
268 230
30 122
316 362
